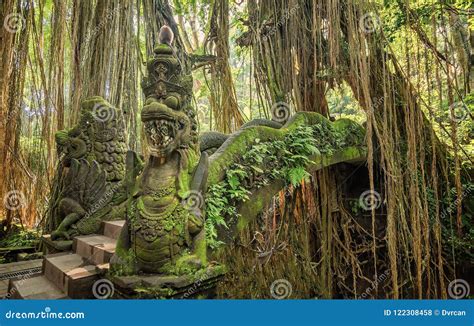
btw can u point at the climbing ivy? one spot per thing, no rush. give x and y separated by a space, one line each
285 159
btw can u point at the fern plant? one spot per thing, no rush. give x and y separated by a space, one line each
288 158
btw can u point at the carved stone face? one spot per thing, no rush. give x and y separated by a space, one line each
167 130
98 136
168 117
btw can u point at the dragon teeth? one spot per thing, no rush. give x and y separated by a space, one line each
161 132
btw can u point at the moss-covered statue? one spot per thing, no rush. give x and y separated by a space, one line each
193 195
88 187
164 231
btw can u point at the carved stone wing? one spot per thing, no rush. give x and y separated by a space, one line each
85 182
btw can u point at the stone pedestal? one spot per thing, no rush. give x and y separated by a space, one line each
200 285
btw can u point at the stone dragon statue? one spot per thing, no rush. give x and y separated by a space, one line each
88 187
172 199
164 238
164 231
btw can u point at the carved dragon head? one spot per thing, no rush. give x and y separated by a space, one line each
98 136
168 116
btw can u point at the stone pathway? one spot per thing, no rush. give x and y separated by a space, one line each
16 270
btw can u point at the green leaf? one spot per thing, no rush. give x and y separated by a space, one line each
296 175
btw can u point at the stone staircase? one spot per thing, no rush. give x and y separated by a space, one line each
71 274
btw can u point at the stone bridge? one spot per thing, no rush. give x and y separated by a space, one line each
84 270
127 226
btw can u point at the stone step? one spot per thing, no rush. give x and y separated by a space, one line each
53 247
71 273
97 249
19 267
37 287
112 229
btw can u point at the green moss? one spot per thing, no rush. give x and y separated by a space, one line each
89 103
126 263
61 137
256 205
192 285
200 249
307 142
239 143
155 293
184 265
185 175
19 237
